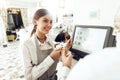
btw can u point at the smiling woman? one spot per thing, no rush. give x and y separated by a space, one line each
40 57
40 47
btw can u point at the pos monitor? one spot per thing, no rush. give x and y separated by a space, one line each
88 39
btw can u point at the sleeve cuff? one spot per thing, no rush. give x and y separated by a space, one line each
64 73
65 70
49 60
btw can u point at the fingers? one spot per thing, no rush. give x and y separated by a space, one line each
69 43
67 60
63 51
55 54
66 54
70 56
58 49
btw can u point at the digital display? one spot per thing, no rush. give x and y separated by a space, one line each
89 39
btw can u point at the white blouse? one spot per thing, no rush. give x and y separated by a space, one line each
29 54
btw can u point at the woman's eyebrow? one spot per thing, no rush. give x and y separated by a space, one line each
45 18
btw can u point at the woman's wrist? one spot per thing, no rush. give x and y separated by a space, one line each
52 56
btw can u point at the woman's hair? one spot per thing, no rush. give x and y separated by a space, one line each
62 36
38 14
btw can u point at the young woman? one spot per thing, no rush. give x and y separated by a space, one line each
40 58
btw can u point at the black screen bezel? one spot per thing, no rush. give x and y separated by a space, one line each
107 43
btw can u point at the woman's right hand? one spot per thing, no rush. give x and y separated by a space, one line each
55 54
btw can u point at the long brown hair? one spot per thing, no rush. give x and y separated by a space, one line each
39 13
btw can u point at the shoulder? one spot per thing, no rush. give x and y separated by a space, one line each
28 42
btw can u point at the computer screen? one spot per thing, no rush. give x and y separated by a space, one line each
88 39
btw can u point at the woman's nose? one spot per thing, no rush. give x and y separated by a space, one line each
50 25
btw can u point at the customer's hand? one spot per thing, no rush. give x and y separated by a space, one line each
69 44
66 58
55 54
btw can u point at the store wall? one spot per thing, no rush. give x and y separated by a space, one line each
96 12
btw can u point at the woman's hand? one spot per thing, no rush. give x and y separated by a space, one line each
55 54
66 58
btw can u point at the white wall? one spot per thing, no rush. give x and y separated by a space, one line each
105 9
18 3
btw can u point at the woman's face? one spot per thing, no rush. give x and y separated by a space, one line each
44 24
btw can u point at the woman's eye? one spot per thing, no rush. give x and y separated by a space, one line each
51 22
45 20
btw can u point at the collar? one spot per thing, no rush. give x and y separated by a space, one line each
46 41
